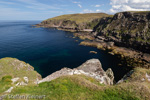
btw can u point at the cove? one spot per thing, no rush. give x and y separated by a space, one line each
49 49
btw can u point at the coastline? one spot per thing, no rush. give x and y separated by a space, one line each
129 57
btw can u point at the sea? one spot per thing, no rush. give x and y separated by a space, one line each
49 50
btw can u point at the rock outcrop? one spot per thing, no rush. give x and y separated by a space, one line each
91 68
129 29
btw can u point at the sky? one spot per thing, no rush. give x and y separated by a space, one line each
44 9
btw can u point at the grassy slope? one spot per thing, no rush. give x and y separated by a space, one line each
16 68
79 87
12 68
80 18
5 83
84 88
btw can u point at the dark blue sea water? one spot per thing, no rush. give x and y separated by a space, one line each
49 50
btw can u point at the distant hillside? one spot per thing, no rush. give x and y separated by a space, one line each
74 21
80 18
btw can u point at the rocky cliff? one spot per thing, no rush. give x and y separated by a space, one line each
91 68
129 29
76 22
88 81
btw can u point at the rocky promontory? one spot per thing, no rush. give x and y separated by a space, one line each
74 22
125 34
125 29
91 68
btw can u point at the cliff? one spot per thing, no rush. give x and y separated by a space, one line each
77 22
88 81
96 72
129 29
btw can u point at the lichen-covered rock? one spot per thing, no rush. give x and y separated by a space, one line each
91 68
110 74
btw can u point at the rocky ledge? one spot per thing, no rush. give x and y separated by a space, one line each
91 68
128 29
128 57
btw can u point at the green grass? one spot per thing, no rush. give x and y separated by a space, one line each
5 83
15 68
78 88
80 18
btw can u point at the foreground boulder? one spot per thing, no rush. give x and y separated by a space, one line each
91 68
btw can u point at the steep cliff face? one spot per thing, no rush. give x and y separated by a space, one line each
130 29
74 21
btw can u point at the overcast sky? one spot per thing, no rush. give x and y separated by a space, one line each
43 9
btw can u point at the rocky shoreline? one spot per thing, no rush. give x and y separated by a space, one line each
129 56
124 40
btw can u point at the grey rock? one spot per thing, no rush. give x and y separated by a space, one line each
14 80
91 68
127 29
9 90
92 65
110 74
26 79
